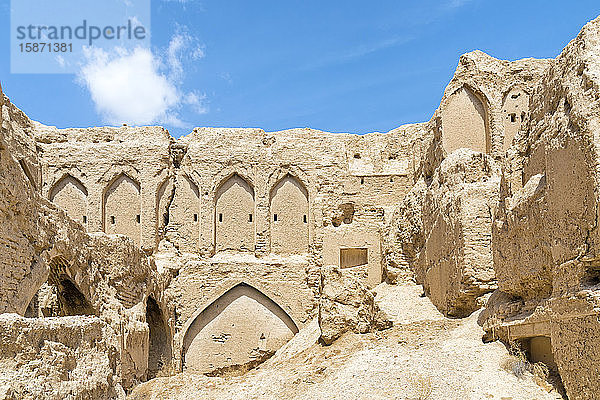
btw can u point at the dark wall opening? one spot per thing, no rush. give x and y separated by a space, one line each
159 355
71 301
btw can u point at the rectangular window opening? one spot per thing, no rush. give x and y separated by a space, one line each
195 217
353 257
274 217
85 219
305 219
249 217
138 219
112 219
513 117
220 217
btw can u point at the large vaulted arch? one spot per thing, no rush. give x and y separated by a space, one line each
242 327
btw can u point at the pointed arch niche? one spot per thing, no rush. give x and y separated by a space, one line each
122 208
289 217
71 195
241 327
465 122
234 215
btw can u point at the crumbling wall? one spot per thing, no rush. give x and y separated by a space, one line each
74 357
545 238
474 108
440 232
455 264
88 274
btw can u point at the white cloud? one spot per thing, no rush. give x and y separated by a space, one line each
127 87
182 46
138 87
457 3
196 101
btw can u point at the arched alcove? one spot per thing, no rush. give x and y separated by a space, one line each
122 208
234 215
71 195
159 354
289 217
465 122
241 327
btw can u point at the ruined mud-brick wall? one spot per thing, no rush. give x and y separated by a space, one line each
545 237
108 179
226 208
441 231
51 267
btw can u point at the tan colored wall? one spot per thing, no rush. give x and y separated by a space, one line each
70 195
185 214
455 265
233 207
289 201
355 235
240 327
516 112
97 156
465 123
122 208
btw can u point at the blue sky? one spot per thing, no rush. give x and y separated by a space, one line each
341 66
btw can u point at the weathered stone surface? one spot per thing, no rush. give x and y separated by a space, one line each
58 358
346 305
545 238
455 264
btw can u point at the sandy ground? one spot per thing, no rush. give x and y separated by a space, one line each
424 354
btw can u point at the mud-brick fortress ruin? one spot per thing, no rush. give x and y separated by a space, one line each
126 254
